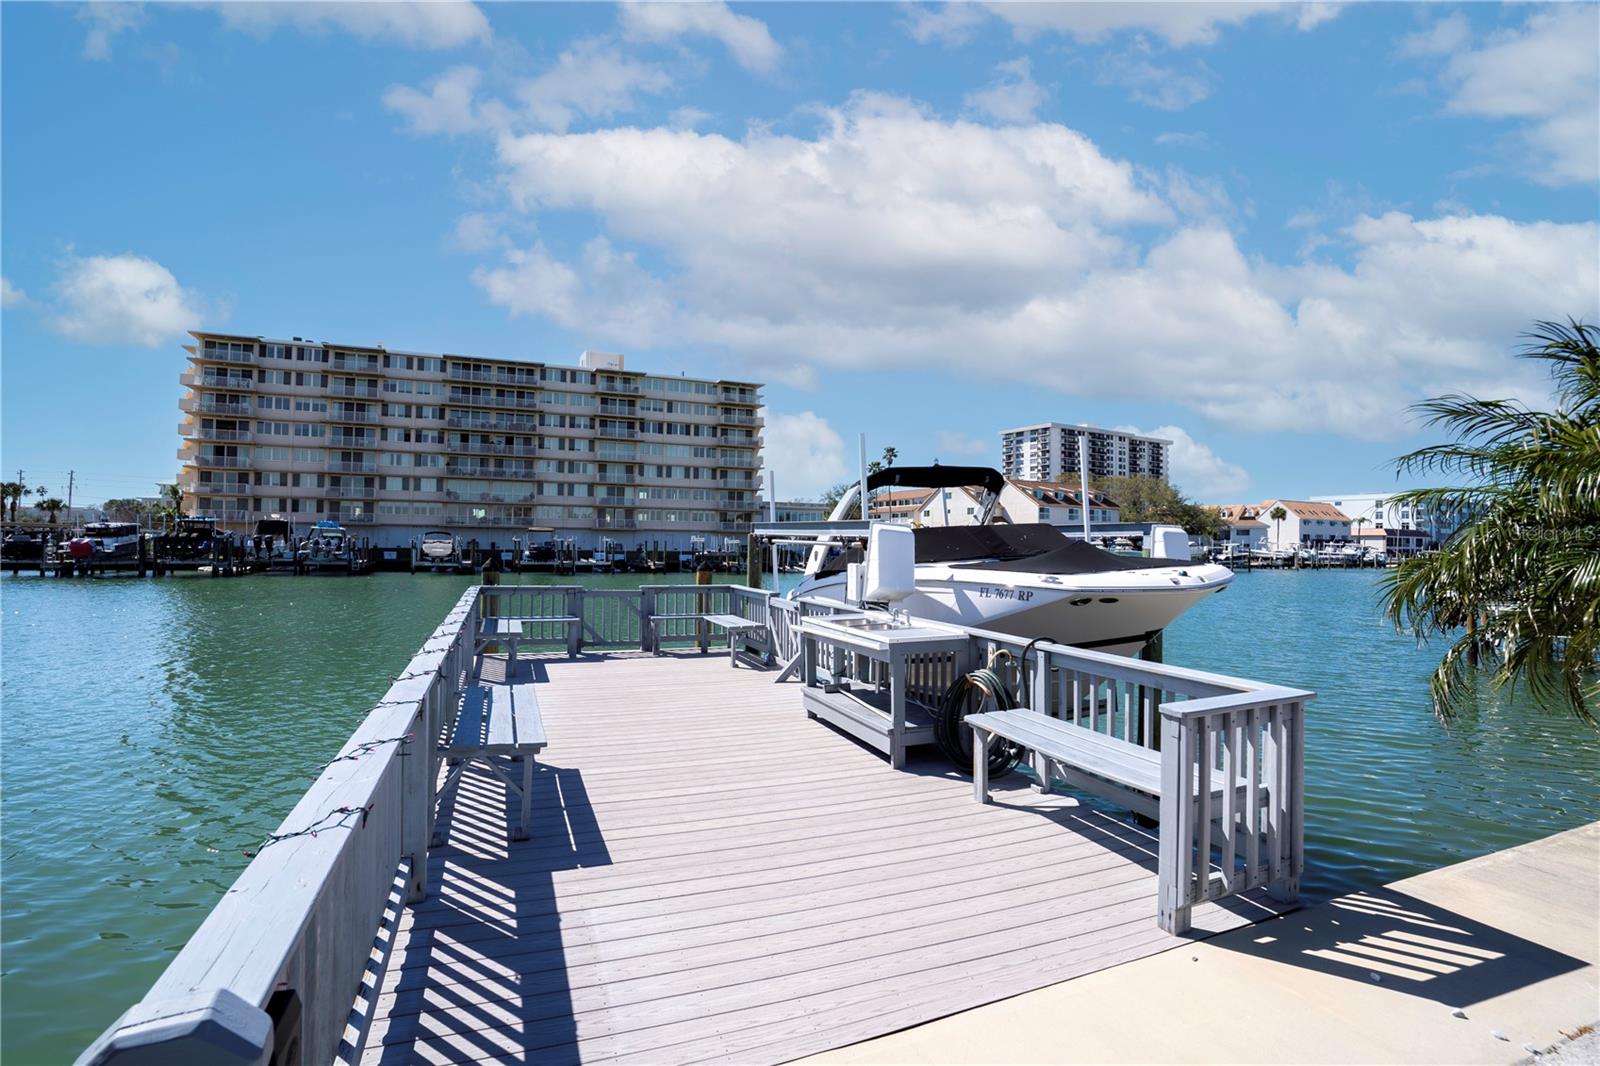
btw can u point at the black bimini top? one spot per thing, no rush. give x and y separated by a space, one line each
1034 548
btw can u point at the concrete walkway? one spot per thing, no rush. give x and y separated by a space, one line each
1488 961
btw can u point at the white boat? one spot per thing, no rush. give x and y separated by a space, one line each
1024 580
437 549
105 542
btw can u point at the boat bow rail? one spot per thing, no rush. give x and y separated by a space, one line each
287 958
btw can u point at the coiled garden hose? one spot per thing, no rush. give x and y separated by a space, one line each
973 692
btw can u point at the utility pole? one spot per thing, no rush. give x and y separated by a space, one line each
1083 481
72 477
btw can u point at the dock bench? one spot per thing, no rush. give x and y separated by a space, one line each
508 631
486 727
1126 774
655 630
740 632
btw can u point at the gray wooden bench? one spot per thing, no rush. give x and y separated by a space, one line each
655 628
1126 774
507 631
502 721
740 633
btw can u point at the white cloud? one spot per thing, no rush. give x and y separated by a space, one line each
1193 22
123 299
953 443
1547 74
1448 34
10 295
951 23
893 238
413 23
747 38
1200 472
589 80
806 454
445 107
1170 88
106 19
1194 138
1013 96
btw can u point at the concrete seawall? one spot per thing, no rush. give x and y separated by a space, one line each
1489 961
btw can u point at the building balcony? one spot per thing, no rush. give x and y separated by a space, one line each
618 410
337 413
487 448
741 460
350 492
744 396
351 468
615 479
233 435
363 364
738 418
616 432
619 386
235 462
522 473
215 407
366 392
227 516
516 379
216 355
489 497
607 522
467 399
503 424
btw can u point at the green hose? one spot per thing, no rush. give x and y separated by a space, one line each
950 731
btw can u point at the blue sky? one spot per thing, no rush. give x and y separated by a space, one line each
1264 230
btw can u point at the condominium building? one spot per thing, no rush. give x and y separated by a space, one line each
1382 511
1049 450
393 443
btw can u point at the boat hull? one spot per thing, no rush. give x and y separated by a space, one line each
1116 612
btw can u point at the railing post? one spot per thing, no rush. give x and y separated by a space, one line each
575 630
1288 803
1176 841
416 790
647 607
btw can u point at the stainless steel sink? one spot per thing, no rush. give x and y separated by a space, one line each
870 624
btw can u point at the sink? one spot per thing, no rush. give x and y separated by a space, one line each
866 624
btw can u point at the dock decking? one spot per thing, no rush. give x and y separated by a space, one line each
713 876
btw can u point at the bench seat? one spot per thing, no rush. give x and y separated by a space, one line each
503 721
507 630
739 630
1080 757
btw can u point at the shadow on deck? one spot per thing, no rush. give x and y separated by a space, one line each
711 875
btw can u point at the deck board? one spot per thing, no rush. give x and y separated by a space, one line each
712 876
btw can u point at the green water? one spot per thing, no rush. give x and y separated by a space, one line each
152 730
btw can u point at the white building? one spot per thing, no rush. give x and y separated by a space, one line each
394 443
1242 527
1049 450
1304 524
1378 510
960 506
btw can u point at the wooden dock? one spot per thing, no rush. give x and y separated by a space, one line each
713 876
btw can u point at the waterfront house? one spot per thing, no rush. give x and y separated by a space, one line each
1242 527
898 505
1305 524
1054 504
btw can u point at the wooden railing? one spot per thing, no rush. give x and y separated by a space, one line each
287 947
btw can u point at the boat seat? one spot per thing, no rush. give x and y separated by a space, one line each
502 721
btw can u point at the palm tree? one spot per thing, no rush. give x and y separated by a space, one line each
53 506
1277 514
171 505
11 493
1522 576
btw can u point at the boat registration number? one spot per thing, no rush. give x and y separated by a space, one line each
991 592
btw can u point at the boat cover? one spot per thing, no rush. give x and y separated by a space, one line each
1036 548
937 477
